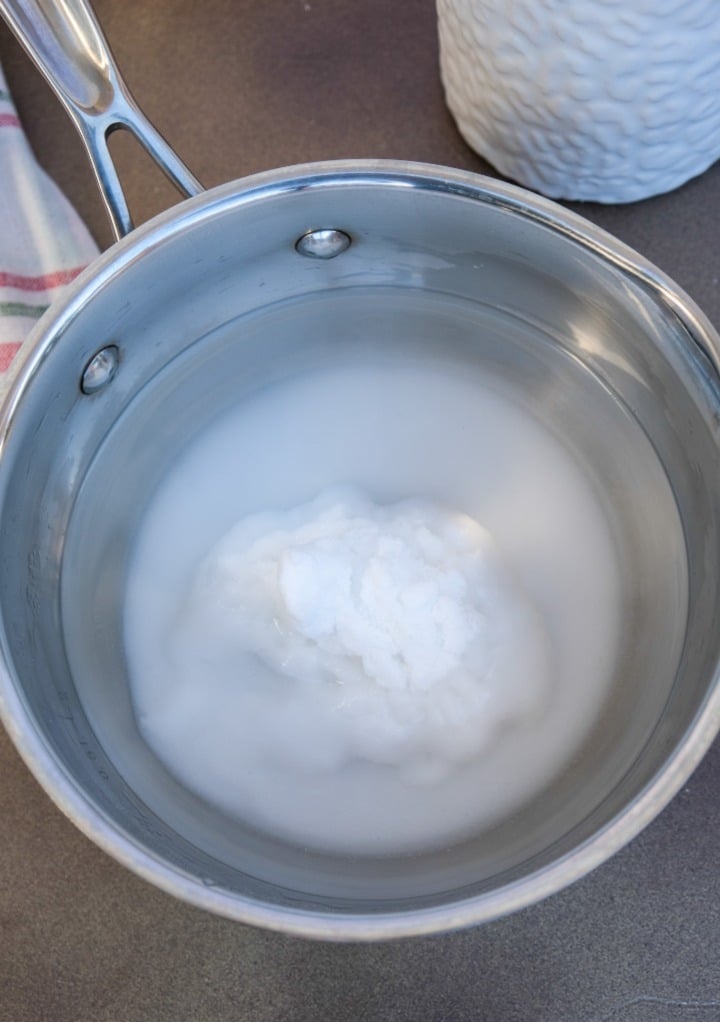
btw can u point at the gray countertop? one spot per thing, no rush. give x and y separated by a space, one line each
239 87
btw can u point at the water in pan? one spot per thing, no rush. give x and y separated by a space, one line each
435 419
212 702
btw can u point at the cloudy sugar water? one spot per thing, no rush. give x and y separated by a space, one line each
373 609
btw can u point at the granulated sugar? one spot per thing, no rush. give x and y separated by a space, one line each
397 624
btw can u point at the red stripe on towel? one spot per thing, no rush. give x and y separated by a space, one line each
9 121
42 283
7 354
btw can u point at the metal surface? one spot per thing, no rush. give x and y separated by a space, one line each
605 347
66 43
100 370
323 244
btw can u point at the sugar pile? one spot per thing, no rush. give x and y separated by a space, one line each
399 622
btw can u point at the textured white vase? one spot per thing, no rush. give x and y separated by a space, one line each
606 100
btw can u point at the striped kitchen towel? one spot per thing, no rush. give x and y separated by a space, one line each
43 242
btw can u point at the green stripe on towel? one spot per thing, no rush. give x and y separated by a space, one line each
22 309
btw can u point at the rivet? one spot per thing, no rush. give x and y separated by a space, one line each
100 370
323 243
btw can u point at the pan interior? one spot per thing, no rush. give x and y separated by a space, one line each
377 335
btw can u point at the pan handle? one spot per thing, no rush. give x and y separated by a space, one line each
65 41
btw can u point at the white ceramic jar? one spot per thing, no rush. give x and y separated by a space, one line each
605 100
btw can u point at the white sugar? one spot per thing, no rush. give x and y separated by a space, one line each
397 621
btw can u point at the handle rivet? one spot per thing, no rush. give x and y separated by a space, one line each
323 243
100 370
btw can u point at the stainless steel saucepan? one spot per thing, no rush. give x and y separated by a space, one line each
244 285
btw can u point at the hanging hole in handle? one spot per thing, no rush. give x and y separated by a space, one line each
147 191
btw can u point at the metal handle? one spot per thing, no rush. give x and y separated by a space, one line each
66 43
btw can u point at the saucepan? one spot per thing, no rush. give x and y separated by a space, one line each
242 288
